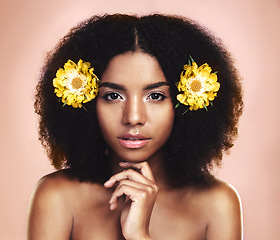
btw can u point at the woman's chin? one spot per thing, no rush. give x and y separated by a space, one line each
134 156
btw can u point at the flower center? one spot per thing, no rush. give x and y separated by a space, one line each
196 85
77 83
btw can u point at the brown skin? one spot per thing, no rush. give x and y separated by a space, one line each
136 202
64 207
134 98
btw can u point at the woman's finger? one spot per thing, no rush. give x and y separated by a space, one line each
135 185
143 167
132 190
128 174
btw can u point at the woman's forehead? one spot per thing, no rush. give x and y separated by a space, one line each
133 67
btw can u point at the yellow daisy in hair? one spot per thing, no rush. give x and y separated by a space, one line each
76 83
197 86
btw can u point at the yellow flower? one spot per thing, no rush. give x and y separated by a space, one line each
76 83
197 86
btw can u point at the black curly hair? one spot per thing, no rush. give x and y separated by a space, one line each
72 137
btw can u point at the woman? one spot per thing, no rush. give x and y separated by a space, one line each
134 139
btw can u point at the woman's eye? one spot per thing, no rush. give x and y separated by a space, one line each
112 96
157 96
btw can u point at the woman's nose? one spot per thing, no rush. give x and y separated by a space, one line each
134 112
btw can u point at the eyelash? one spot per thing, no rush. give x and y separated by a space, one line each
108 96
160 95
112 96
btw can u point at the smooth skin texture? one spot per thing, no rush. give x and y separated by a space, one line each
134 106
134 99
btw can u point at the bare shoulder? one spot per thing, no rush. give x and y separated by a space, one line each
222 195
62 187
55 183
48 207
54 203
54 187
223 211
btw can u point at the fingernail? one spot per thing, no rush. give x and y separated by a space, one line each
106 183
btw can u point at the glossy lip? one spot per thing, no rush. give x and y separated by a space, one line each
133 141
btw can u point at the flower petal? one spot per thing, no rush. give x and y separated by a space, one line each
193 96
70 94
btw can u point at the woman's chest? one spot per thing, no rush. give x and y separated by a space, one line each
96 223
167 222
178 221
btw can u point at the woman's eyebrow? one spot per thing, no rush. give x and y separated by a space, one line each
121 87
155 85
112 85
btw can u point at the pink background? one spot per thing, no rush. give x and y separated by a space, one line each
251 31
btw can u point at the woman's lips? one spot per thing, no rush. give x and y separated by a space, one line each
133 141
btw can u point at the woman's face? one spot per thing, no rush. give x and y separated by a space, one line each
134 107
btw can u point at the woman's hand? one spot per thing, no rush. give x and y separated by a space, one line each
141 192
